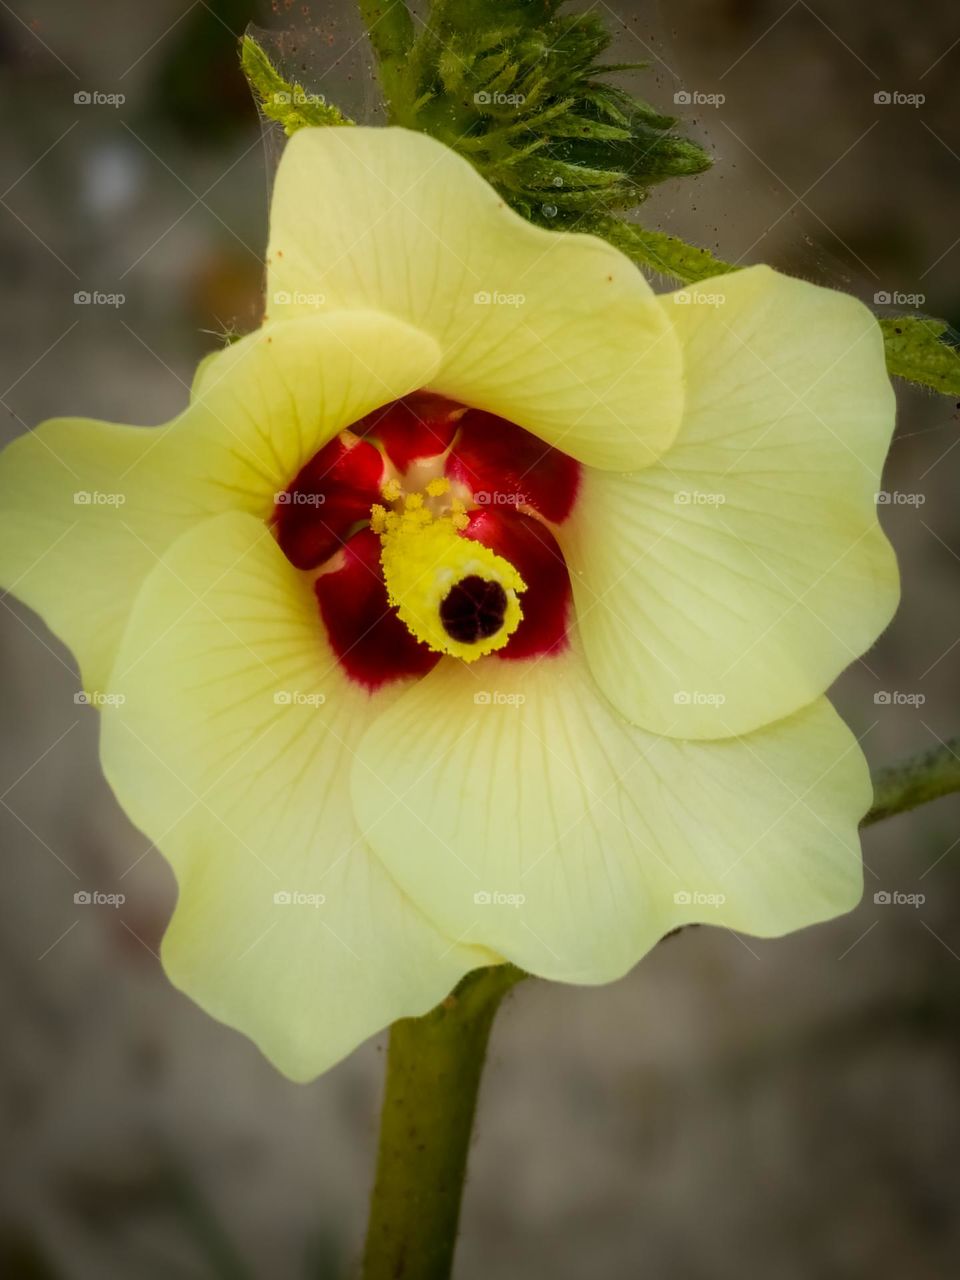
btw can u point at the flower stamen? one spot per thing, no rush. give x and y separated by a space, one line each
453 593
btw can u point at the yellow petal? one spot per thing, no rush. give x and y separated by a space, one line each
206 372
521 812
87 507
731 582
559 333
73 545
231 750
271 400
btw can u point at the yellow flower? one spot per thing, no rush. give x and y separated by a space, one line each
480 605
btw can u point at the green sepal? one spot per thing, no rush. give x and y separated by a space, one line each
282 100
667 255
523 92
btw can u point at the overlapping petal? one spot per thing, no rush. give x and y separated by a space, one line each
728 584
86 507
69 547
276 397
231 750
558 333
522 812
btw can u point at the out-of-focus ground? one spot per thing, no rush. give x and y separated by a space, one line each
733 1108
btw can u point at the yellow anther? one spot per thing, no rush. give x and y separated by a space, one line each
425 559
436 488
391 489
458 515
378 518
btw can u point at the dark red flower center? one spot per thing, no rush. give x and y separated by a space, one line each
510 488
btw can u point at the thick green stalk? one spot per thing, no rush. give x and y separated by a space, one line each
434 1065
922 778
391 32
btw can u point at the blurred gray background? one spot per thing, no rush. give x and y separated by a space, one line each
734 1108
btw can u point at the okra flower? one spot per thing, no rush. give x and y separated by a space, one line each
480 605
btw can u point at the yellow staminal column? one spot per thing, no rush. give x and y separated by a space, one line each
455 595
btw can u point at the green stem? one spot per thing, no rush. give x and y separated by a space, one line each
434 1065
922 778
391 32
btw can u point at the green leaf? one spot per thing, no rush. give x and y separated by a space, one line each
917 350
287 103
